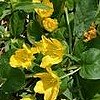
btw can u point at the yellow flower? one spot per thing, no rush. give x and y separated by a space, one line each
50 24
52 50
22 58
48 85
35 50
45 12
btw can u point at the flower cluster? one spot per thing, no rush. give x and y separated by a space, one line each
53 52
48 23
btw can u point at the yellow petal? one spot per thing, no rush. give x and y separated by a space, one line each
26 48
13 62
53 47
48 61
43 13
40 46
39 87
48 94
51 93
41 75
26 64
35 50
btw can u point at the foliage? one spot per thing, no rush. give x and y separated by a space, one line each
62 37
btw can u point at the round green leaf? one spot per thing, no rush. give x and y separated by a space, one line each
90 64
15 81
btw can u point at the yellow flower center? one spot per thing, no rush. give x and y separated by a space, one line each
21 55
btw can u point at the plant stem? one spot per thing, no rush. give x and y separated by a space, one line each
73 57
70 73
69 29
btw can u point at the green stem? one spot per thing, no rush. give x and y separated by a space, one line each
28 75
36 64
70 73
74 58
69 29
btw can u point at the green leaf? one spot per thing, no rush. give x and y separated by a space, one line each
90 64
90 88
64 81
5 13
29 6
95 43
85 14
4 64
3 6
15 78
59 33
4 96
16 43
58 12
96 97
16 25
2 30
98 11
70 4
79 48
68 94
15 81
34 31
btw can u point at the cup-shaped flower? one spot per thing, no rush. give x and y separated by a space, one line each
53 51
22 58
48 85
43 13
50 24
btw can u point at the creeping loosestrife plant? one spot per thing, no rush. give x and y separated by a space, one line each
49 50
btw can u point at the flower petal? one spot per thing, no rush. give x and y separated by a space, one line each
39 87
51 93
13 62
48 61
26 48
